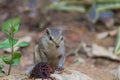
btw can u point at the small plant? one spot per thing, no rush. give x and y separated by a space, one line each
10 27
117 45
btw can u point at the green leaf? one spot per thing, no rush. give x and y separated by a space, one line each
16 55
14 42
7 43
16 27
16 58
117 45
16 62
1 63
6 26
1 71
1 66
23 44
7 59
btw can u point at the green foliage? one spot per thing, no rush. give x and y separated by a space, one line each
117 46
2 72
23 44
12 42
7 43
64 7
82 6
16 58
1 66
10 27
7 59
4 44
1 63
16 55
93 9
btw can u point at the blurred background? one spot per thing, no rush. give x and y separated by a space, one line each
91 29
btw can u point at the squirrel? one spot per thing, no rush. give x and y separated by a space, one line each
50 49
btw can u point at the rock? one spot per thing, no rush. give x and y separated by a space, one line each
102 35
65 75
74 75
116 73
96 50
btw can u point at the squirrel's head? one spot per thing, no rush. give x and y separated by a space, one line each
54 36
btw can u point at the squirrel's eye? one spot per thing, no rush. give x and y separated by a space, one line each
47 32
62 38
59 56
51 38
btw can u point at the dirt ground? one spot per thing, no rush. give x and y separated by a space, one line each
75 30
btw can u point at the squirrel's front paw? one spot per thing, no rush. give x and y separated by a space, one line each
60 68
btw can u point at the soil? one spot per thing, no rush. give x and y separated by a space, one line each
76 29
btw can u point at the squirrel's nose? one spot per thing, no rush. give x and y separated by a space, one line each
57 46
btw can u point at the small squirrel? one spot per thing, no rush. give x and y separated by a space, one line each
51 49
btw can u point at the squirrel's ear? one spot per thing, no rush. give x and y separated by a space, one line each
61 30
